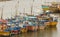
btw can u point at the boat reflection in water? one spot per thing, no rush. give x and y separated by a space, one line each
51 32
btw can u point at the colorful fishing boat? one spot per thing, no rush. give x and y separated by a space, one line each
53 19
32 26
23 30
14 29
4 29
23 27
41 24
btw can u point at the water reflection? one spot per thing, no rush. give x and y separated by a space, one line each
51 32
47 33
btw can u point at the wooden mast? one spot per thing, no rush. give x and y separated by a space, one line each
24 11
32 8
11 13
17 8
2 13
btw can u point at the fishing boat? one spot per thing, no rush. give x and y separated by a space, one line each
53 19
3 26
32 26
14 22
41 24
23 30
4 29
14 29
23 26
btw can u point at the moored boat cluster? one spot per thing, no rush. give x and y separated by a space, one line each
27 23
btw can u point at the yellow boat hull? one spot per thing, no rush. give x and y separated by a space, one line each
23 30
51 24
4 33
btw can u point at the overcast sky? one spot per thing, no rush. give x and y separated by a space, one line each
10 10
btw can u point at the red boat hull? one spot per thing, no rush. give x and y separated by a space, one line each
32 28
14 32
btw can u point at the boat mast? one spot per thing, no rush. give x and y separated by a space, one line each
11 13
16 6
24 11
32 8
2 13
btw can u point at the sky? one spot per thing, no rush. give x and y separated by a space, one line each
24 6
